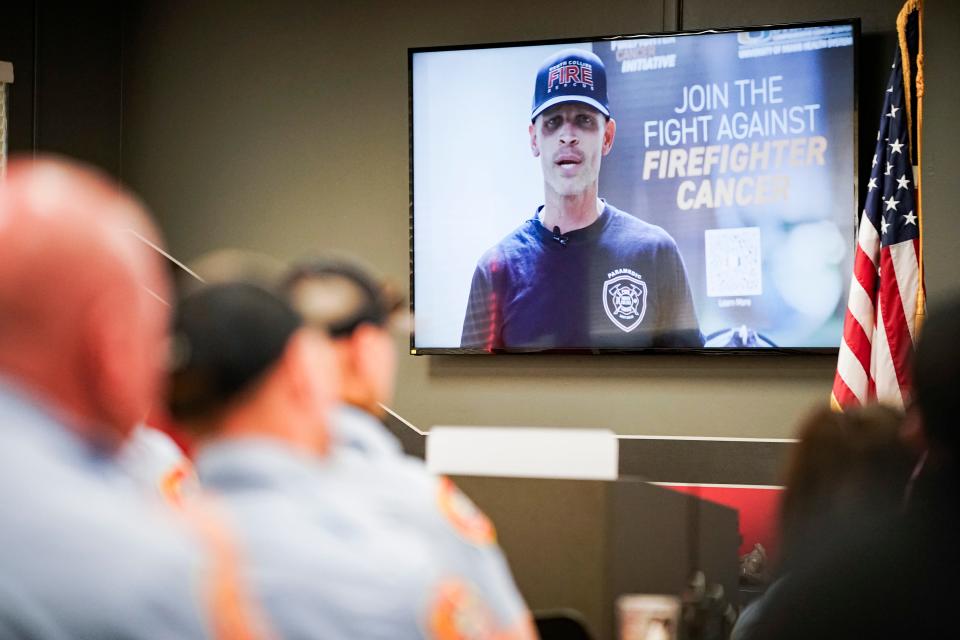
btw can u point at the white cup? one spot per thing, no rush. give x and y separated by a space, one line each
648 617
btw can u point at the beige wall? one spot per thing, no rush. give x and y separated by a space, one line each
282 127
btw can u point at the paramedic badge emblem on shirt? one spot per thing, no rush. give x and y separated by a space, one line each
625 299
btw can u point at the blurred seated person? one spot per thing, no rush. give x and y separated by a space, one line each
895 577
846 471
83 336
255 387
360 311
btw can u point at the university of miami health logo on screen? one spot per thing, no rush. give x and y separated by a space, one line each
625 298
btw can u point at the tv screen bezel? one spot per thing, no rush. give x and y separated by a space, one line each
855 23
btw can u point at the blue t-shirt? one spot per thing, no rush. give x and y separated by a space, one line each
618 283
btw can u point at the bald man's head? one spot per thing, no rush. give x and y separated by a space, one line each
83 297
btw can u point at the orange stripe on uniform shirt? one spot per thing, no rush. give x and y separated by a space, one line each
234 615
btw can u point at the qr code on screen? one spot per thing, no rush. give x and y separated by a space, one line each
733 262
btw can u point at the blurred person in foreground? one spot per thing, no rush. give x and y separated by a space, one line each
156 455
83 338
255 387
896 578
358 310
846 471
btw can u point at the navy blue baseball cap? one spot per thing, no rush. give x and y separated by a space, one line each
572 75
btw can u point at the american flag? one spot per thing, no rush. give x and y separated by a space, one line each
880 327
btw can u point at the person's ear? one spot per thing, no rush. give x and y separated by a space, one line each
609 133
309 383
376 366
534 146
311 371
122 386
365 354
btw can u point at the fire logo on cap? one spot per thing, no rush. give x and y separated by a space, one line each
568 71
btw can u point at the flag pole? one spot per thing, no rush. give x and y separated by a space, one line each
909 82
886 290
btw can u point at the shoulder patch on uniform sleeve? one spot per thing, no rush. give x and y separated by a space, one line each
457 612
172 482
466 518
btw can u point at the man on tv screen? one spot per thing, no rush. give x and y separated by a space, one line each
579 274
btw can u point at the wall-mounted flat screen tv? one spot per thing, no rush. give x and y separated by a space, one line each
686 191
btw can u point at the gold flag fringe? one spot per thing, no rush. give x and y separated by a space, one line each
908 84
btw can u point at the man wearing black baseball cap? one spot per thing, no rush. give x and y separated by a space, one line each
255 387
580 273
357 309
324 556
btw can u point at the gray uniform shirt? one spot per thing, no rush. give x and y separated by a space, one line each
402 492
320 563
82 554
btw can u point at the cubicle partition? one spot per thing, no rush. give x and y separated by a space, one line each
580 544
